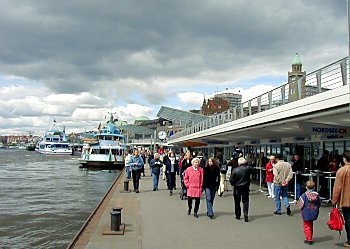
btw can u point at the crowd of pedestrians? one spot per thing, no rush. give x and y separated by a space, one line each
200 173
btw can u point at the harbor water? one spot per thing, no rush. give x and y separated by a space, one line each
44 200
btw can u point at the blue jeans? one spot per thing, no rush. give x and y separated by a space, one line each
346 214
298 191
155 178
209 196
127 172
281 191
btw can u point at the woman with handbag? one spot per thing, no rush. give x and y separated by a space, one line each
211 184
223 170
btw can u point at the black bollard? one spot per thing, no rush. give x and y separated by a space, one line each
115 220
126 185
118 209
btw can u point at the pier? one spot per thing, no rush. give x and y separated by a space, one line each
153 219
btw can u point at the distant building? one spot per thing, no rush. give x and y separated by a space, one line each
214 106
313 90
195 111
232 99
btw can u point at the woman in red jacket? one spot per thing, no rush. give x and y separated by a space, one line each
269 177
193 180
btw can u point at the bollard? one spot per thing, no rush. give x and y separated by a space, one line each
115 221
118 209
126 185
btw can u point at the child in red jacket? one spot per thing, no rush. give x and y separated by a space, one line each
309 203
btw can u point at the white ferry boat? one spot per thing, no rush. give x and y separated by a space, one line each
106 149
54 142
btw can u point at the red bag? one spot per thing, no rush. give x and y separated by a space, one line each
336 220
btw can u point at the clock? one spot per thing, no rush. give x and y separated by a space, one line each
162 135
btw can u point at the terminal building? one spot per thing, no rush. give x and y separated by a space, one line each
307 115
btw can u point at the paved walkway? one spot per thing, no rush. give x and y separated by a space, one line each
156 220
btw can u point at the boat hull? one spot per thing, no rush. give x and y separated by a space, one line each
54 152
101 164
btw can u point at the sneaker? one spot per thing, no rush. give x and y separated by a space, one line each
195 215
188 212
170 193
154 189
346 244
137 191
269 196
277 213
308 242
246 219
288 211
211 216
238 218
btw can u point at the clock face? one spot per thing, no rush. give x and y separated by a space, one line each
162 134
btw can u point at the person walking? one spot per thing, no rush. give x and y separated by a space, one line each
222 163
341 193
193 180
297 167
269 177
155 166
128 157
171 165
309 203
282 174
136 164
211 183
240 180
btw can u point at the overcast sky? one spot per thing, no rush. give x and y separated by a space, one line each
75 60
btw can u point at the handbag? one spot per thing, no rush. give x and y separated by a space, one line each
223 169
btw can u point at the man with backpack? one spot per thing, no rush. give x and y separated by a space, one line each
341 193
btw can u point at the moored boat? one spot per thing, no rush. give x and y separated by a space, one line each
106 149
54 142
30 146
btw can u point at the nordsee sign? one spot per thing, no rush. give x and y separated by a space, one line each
329 130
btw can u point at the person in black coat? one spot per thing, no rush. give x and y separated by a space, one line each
171 167
240 180
211 181
155 165
297 166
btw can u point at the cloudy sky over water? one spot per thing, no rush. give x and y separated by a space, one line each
76 60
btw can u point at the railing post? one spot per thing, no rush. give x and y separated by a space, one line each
270 100
259 104
242 115
299 87
283 92
250 107
234 114
344 74
318 79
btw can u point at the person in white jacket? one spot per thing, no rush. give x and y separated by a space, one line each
127 165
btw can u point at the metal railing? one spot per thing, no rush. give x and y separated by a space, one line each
326 78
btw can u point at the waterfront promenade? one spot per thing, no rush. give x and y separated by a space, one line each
156 220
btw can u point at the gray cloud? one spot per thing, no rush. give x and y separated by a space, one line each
131 49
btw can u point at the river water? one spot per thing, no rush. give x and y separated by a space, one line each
44 200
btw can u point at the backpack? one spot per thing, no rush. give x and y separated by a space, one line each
336 220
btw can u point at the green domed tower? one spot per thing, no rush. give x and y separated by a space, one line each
296 80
